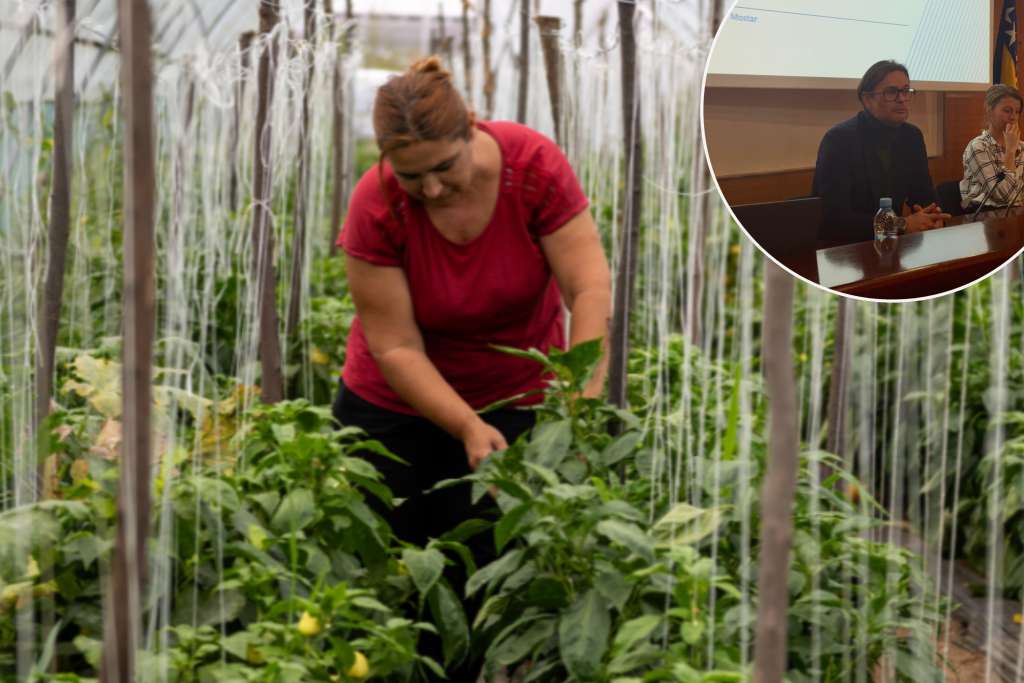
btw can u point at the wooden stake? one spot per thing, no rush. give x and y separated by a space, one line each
779 487
550 29
263 272
467 57
244 43
485 39
302 191
619 343
337 128
445 49
60 212
524 59
53 289
577 22
123 622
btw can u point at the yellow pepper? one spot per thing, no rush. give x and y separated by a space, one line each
308 625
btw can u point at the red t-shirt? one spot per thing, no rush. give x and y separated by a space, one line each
497 289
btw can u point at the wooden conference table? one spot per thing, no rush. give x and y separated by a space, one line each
918 264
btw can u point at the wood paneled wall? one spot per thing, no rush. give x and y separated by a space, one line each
962 119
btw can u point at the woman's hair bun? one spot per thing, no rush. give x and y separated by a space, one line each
431 64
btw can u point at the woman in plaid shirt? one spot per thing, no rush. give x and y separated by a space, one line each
998 148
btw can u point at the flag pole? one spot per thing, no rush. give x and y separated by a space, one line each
1017 8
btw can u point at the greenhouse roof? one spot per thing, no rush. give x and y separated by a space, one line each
188 27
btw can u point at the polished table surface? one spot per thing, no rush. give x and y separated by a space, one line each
918 264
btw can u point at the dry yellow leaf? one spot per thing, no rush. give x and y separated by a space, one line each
79 470
108 442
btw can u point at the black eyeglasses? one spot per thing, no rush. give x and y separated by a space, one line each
891 93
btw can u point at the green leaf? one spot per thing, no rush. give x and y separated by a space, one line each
425 567
90 648
547 592
238 644
295 512
207 609
317 562
635 630
685 524
500 568
541 671
451 622
215 492
43 663
100 385
493 606
613 587
583 635
517 647
579 360
509 525
257 536
620 449
546 474
466 530
621 509
83 547
267 500
377 448
309 419
360 467
723 677
550 443
733 421
366 602
629 535
530 354
283 433
692 631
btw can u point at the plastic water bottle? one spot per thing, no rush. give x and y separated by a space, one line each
885 220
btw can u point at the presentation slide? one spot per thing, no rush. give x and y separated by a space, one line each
942 42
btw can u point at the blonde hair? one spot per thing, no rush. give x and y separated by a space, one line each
997 92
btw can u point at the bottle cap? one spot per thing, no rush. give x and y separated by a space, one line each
885 203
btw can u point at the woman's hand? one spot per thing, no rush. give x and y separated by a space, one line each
1011 136
480 440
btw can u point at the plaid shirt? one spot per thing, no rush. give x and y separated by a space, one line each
983 159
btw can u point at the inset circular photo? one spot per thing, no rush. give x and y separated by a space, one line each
873 148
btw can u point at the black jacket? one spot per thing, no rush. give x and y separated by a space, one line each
850 177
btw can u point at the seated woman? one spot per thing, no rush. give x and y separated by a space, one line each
997 150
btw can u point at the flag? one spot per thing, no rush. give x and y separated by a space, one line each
1004 63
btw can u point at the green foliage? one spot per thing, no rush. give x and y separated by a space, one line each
274 529
589 565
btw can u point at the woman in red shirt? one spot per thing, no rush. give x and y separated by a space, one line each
467 234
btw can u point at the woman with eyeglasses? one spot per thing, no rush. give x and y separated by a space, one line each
997 153
875 154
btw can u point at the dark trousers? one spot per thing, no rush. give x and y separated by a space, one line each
433 455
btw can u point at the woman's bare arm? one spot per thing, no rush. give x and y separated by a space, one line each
578 262
384 305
